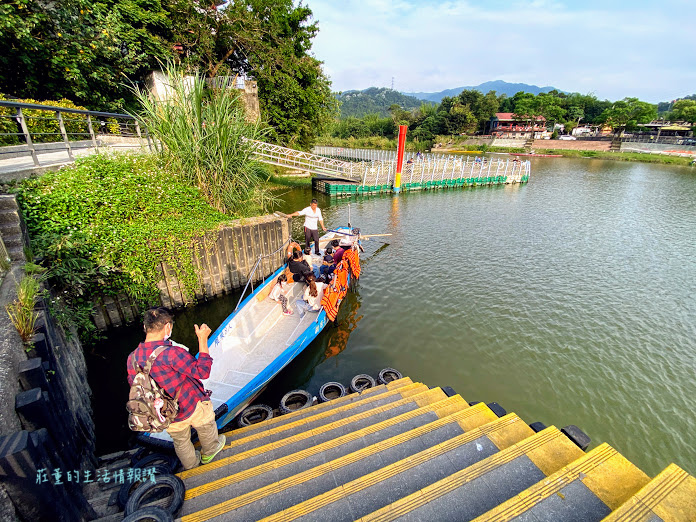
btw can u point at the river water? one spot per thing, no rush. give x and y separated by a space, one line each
569 300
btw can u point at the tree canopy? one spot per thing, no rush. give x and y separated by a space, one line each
89 51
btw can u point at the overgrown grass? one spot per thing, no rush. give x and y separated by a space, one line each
199 133
104 224
619 156
278 177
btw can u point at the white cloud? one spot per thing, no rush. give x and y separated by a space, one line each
612 49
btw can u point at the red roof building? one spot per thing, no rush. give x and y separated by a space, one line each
509 125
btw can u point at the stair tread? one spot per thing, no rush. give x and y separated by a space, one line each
302 441
603 472
319 408
365 467
671 495
302 424
502 473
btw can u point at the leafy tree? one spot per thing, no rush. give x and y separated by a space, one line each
81 50
628 113
684 110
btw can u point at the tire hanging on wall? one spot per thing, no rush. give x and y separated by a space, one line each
361 383
172 482
294 401
331 390
254 414
388 375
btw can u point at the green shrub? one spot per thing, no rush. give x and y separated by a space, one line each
103 225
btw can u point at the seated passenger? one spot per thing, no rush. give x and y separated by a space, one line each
298 266
312 296
337 251
280 291
327 267
308 257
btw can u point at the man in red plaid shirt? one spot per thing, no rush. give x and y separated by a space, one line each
175 368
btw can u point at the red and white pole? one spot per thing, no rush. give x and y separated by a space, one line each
401 147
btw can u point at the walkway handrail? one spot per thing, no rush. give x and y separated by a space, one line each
85 123
253 271
17 105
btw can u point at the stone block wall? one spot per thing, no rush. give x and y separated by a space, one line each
223 266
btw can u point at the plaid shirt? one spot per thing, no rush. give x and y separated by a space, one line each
173 368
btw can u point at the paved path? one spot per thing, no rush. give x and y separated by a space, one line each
22 167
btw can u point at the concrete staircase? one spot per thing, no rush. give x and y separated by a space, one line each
402 451
11 228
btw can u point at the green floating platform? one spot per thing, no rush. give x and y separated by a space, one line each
341 188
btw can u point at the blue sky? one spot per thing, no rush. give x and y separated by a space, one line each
611 48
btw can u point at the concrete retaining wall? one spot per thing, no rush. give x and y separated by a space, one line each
45 419
224 259
631 146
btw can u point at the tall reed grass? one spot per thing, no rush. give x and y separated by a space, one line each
21 311
199 134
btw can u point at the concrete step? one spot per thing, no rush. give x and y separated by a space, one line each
587 490
411 449
431 421
278 431
487 471
8 202
16 253
315 410
669 496
9 216
299 439
12 240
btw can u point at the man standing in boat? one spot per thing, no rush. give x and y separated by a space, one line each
175 369
312 215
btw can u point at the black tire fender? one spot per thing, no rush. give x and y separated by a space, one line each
388 375
293 397
331 388
151 514
128 487
361 383
172 482
249 414
171 462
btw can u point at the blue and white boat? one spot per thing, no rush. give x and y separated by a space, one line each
257 341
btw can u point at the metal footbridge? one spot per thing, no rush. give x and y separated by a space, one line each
322 165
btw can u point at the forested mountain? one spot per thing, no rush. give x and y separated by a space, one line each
373 101
499 86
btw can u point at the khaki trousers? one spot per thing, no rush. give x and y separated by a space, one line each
203 419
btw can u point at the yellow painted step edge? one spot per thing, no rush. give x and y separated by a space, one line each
458 479
582 469
253 496
466 412
649 499
427 397
347 398
391 470
404 391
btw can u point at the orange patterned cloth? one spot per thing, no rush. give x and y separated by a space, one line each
335 292
353 259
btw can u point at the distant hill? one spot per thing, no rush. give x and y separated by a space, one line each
499 86
374 101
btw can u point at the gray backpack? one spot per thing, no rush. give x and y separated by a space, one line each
150 408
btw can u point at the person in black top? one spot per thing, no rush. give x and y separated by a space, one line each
298 266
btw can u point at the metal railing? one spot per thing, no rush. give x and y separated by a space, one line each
285 157
46 125
666 140
379 166
250 281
